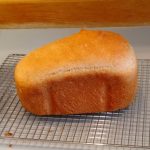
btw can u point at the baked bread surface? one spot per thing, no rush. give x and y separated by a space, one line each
87 72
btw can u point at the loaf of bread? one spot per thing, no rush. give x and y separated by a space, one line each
87 72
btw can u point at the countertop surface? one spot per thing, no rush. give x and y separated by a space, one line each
21 41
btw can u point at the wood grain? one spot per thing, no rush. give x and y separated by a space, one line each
73 13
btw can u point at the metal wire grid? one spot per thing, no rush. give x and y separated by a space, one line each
129 127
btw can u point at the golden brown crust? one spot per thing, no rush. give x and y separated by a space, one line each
91 71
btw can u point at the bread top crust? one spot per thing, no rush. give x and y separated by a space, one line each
84 52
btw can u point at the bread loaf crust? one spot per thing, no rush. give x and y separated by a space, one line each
87 72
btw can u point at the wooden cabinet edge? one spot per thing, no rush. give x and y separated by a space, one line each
74 13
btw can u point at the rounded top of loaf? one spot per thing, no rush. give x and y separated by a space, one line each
85 52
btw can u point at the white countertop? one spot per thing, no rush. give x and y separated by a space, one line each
23 40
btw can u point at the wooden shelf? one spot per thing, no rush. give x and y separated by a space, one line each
73 13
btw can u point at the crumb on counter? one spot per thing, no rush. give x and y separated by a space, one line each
10 145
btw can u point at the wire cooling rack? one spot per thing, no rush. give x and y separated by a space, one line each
126 128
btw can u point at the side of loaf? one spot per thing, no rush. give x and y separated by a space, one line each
87 72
